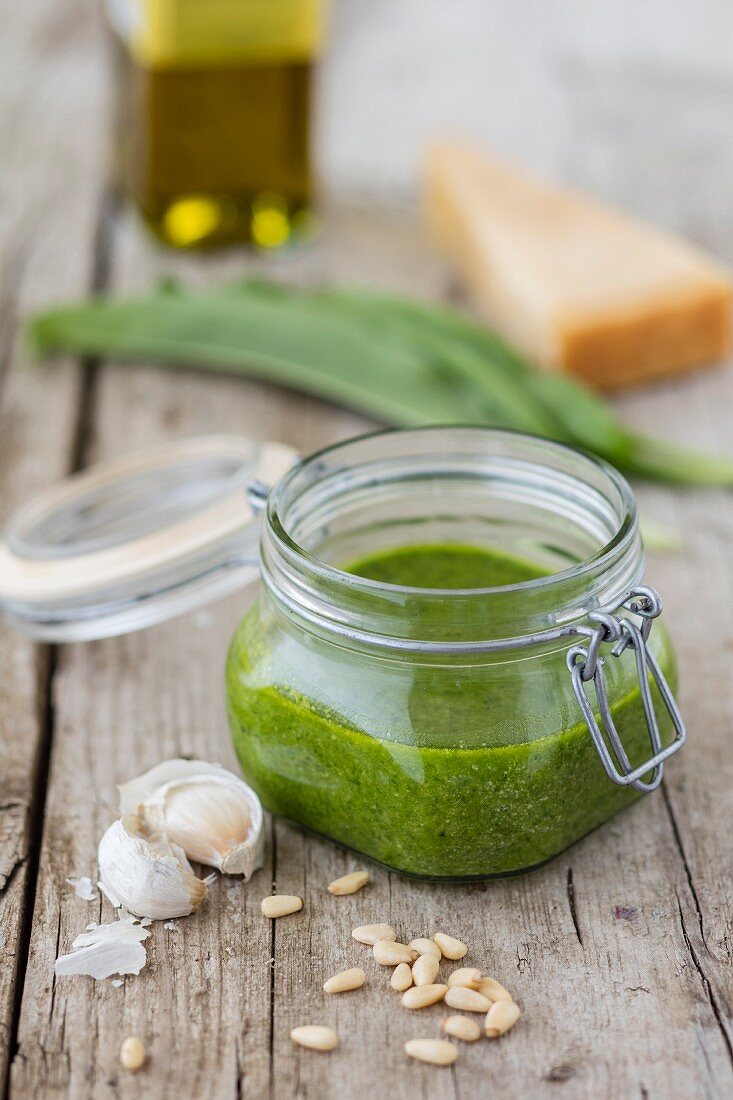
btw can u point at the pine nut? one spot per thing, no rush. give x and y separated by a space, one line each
425 969
501 1016
132 1054
280 905
401 977
438 1052
462 1027
494 990
370 933
315 1037
450 947
467 976
425 946
420 996
389 953
466 1000
349 884
346 980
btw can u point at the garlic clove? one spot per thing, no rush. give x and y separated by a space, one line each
212 821
148 875
215 817
136 791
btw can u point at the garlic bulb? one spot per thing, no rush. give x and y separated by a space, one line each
214 816
147 875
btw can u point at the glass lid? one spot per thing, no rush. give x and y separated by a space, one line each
132 542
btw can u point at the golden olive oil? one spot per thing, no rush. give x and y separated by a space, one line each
214 118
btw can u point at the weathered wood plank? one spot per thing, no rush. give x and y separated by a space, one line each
201 1003
50 163
622 1013
697 588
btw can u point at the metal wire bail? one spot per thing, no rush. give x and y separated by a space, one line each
586 663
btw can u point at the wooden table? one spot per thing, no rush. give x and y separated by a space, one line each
619 952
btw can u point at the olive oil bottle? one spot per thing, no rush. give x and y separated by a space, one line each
214 114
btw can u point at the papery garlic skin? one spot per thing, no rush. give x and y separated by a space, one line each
83 888
107 949
148 875
215 817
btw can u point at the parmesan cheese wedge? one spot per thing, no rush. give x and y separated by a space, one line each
572 283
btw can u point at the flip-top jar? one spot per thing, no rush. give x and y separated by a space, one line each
437 606
448 667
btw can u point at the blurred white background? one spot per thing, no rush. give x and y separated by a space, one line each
632 99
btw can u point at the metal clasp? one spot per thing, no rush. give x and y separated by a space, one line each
586 663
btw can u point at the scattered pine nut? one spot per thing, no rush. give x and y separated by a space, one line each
467 976
346 980
501 1016
349 884
449 946
280 905
401 977
370 933
425 969
132 1054
315 1037
467 1000
494 990
461 1027
438 1052
420 996
389 953
424 946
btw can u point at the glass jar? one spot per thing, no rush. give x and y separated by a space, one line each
449 666
441 731
213 116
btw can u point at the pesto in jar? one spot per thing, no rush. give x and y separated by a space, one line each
452 770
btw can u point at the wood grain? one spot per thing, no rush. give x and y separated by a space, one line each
50 163
619 952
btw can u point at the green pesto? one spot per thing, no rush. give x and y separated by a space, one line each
445 566
446 772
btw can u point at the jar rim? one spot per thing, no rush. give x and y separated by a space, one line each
387 480
624 534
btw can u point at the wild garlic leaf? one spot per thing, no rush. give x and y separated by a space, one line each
403 362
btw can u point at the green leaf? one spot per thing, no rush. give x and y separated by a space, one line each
289 342
404 362
498 396
543 402
657 538
658 460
